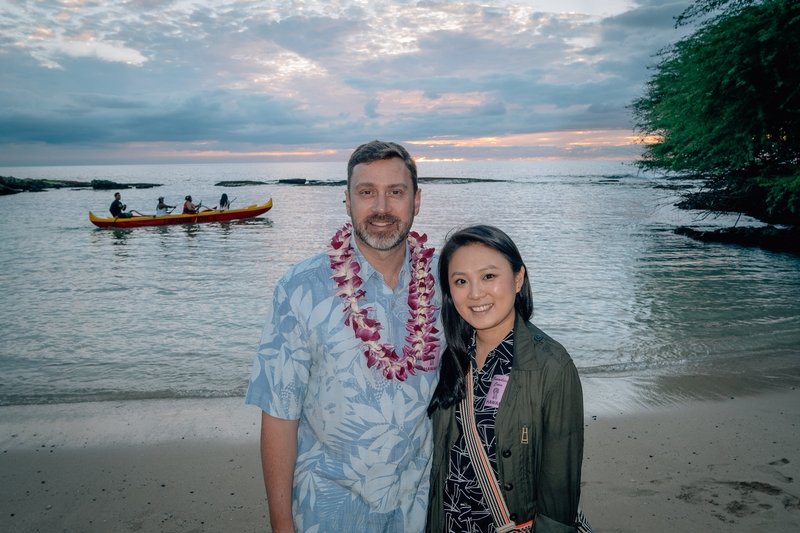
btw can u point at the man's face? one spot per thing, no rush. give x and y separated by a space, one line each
117 196
382 203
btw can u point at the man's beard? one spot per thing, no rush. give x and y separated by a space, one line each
384 241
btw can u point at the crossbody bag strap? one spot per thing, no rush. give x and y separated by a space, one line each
483 468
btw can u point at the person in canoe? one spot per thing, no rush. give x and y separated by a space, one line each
224 203
189 208
161 208
117 208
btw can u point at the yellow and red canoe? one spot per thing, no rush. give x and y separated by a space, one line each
166 220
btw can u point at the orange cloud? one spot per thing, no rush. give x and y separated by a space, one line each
562 139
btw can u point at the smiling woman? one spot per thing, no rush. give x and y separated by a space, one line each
508 409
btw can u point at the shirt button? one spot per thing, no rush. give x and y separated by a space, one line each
508 486
507 454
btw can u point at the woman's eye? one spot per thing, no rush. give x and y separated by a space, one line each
489 276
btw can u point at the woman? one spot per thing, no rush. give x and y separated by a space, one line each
224 203
526 397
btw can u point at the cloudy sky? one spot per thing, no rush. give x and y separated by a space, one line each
108 81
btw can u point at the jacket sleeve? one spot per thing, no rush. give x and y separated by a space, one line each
559 482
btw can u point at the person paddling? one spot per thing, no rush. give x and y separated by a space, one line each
189 208
117 208
161 208
224 203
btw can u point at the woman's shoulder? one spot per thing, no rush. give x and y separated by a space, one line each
533 347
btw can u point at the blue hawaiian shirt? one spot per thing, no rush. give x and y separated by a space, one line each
364 442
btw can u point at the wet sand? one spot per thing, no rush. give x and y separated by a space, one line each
723 464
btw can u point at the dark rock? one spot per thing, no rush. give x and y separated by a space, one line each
456 181
105 185
293 181
767 238
4 191
337 183
242 183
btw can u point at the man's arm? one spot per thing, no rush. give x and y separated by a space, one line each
278 458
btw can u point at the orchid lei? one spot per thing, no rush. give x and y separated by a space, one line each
422 342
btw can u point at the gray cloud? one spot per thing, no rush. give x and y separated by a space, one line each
249 75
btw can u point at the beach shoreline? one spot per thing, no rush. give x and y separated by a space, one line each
192 465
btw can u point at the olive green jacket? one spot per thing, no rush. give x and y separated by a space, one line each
539 437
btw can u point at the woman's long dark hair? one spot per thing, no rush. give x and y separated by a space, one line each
457 332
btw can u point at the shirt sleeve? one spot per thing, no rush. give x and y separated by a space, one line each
282 365
562 453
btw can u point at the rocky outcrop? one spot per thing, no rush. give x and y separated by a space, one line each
767 237
11 185
239 183
106 185
15 185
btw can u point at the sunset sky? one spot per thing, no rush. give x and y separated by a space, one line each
107 81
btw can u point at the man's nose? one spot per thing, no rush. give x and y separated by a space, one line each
382 204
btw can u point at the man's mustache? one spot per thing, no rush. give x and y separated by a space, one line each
381 218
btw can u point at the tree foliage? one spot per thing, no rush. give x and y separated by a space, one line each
724 104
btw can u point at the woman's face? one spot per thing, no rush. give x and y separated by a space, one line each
484 288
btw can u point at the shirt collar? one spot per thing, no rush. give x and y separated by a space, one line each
368 271
473 347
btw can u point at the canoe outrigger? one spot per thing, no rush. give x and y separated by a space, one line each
166 220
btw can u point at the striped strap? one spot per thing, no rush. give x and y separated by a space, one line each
483 468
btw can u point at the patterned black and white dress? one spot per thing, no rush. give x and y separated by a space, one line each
465 508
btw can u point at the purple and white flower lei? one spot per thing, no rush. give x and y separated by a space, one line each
423 345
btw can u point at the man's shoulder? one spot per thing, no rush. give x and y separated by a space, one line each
310 270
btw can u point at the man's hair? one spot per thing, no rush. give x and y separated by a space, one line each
116 194
381 150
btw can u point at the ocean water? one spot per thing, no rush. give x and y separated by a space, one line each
97 314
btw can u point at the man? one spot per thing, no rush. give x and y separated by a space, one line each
118 208
347 364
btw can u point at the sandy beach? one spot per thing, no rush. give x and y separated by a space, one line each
718 463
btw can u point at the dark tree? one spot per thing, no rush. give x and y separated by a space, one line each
723 104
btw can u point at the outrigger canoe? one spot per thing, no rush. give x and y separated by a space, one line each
167 220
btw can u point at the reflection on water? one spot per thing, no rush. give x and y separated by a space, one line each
177 310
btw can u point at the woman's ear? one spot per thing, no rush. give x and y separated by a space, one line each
519 277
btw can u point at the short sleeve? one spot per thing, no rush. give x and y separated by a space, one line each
282 365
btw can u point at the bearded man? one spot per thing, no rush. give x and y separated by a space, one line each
348 362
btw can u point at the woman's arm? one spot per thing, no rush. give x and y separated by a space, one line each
559 483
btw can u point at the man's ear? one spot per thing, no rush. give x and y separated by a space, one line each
347 201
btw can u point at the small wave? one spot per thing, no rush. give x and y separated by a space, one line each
108 396
619 368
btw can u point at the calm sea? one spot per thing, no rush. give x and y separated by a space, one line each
92 314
